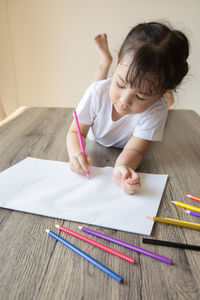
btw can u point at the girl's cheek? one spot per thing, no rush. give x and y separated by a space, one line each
115 98
112 95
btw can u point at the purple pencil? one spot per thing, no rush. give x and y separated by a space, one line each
127 245
192 213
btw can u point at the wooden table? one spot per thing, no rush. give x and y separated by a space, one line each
34 266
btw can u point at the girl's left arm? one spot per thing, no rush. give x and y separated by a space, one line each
124 173
133 153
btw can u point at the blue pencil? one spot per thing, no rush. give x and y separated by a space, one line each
85 255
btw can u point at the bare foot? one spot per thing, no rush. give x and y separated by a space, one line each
102 47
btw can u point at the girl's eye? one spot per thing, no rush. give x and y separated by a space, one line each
142 99
121 87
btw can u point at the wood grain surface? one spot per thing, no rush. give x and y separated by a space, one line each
35 266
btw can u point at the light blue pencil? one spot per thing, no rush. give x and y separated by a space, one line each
85 255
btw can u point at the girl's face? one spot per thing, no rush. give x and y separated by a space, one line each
125 99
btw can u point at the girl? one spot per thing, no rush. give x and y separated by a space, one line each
129 110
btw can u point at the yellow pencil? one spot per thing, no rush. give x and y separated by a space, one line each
176 222
184 205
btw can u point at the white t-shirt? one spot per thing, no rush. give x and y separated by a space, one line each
95 109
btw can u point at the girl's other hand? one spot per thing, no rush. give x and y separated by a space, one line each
127 179
79 163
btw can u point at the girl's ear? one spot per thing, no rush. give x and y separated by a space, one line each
170 97
166 92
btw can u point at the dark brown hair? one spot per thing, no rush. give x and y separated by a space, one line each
156 54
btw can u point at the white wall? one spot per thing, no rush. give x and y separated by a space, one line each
47 56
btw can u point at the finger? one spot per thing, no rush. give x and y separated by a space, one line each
89 160
132 181
76 166
83 163
133 186
130 190
135 178
73 169
125 173
135 175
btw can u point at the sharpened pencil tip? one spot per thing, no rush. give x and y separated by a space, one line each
47 230
187 212
173 202
150 218
57 226
80 227
188 196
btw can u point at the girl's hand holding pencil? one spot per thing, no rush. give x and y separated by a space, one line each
80 163
127 179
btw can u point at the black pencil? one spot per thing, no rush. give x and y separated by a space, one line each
171 244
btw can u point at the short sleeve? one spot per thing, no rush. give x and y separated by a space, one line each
87 106
151 123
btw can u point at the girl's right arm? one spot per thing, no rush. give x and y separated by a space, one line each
78 163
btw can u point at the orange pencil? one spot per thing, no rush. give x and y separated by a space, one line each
193 197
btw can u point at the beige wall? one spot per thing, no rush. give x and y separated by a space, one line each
8 89
47 56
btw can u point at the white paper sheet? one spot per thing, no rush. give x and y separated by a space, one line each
51 189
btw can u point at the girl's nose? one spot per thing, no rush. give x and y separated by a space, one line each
127 99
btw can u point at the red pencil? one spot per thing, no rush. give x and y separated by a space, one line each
99 245
193 197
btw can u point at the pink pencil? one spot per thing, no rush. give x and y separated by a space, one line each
80 139
97 244
193 197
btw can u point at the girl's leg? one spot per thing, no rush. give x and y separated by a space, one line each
105 58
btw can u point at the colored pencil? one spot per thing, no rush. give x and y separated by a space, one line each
170 244
176 222
184 205
193 197
85 255
127 245
80 139
192 213
94 243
